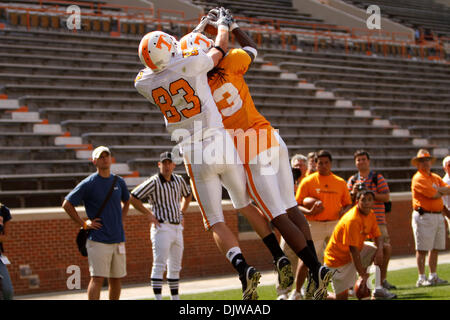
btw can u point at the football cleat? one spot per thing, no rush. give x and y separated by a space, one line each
284 270
325 276
250 281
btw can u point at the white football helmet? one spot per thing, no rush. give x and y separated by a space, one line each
196 40
156 49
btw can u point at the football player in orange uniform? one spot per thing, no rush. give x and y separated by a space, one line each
263 152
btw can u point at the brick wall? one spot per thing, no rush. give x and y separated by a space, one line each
44 239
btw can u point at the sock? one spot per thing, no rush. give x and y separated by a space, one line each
310 261
272 244
422 277
236 258
311 247
433 275
157 288
173 285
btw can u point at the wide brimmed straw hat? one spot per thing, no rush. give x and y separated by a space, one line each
422 154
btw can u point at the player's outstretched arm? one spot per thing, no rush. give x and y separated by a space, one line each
245 41
221 41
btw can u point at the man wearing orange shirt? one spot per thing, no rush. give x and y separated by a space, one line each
347 252
333 201
427 220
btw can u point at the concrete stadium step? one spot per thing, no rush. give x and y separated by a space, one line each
126 138
37 152
56 115
77 127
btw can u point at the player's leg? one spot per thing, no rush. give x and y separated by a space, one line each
264 191
207 188
233 179
262 228
263 182
283 294
286 186
174 262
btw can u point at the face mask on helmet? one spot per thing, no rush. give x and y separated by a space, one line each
195 40
157 49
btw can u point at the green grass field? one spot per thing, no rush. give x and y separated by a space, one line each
405 280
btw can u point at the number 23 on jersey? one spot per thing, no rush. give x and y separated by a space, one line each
164 100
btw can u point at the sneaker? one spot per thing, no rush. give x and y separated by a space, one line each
423 283
388 286
285 275
310 287
282 297
351 292
250 281
295 295
325 276
435 281
383 293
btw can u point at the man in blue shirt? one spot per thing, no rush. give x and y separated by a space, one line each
106 240
6 287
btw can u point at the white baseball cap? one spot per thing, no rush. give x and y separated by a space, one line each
445 161
98 151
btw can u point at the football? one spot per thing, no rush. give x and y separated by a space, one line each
210 29
308 202
361 289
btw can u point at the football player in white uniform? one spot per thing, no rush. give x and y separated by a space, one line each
177 83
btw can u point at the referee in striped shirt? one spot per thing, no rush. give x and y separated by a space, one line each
169 196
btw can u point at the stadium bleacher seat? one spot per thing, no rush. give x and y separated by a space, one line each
335 98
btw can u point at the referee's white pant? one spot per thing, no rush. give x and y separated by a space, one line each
167 246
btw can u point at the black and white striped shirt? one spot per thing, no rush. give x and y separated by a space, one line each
163 196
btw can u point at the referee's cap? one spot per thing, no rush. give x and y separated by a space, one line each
98 151
166 156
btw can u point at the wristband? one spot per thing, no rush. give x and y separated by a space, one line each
221 50
233 26
86 224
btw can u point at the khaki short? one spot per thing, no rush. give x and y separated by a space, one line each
106 260
346 275
429 231
321 232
